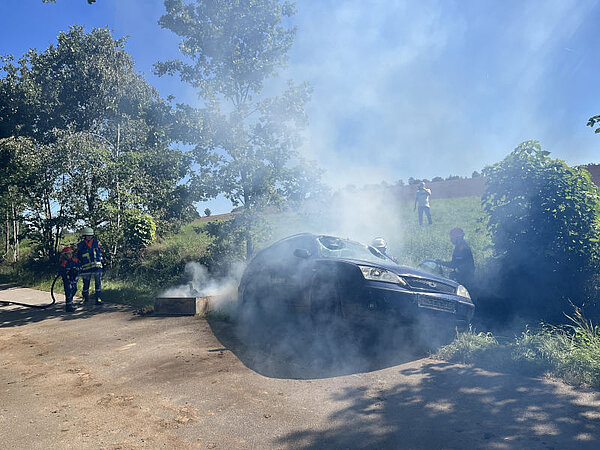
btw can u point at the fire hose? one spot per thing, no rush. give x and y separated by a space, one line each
5 302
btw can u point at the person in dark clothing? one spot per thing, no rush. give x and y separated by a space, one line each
462 264
89 253
69 271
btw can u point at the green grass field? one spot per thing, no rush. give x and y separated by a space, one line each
407 240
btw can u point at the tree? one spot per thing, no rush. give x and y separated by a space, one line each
207 212
594 121
98 137
231 48
543 218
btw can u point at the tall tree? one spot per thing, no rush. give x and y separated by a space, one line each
231 49
99 134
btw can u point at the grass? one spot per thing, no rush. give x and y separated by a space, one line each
398 224
570 352
161 266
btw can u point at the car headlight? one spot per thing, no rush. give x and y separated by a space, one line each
461 291
378 274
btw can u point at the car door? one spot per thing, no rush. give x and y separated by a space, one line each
299 268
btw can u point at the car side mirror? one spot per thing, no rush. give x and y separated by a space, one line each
302 253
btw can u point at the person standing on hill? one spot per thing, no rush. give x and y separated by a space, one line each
422 202
89 253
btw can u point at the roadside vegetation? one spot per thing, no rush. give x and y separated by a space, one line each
570 352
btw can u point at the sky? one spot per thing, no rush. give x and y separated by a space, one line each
400 88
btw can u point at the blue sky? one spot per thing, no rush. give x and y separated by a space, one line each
401 88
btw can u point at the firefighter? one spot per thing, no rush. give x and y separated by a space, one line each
89 253
69 271
381 246
462 264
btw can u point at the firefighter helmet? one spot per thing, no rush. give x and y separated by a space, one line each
67 249
87 231
456 232
379 243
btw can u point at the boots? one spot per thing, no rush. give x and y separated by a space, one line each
69 306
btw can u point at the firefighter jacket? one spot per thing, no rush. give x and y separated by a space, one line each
69 268
462 263
90 255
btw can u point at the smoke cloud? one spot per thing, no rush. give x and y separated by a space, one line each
222 291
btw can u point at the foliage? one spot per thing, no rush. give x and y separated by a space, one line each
86 140
593 122
140 231
570 352
229 238
249 149
543 218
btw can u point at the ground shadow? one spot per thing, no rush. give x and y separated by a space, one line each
296 349
440 405
12 315
15 316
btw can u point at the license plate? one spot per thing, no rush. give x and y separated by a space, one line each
436 303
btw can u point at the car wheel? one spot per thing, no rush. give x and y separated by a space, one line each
250 306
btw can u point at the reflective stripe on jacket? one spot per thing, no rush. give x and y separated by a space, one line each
90 257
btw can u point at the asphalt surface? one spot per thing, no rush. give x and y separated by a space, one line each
110 378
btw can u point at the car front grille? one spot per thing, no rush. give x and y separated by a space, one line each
436 303
423 284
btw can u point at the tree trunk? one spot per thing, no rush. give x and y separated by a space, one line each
249 246
15 233
118 187
7 243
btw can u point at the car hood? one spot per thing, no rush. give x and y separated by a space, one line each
405 271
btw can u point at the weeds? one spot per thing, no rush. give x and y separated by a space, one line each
468 346
570 352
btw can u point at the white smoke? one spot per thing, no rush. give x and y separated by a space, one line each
222 291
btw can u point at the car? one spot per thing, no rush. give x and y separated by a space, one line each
324 277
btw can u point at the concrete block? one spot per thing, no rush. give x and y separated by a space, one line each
181 306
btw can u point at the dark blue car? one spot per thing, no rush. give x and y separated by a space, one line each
325 277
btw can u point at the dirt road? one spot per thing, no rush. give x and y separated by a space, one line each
108 378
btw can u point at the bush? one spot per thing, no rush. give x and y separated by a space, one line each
543 219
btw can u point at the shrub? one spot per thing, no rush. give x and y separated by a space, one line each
140 230
543 219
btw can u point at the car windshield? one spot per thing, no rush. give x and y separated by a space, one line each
332 247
